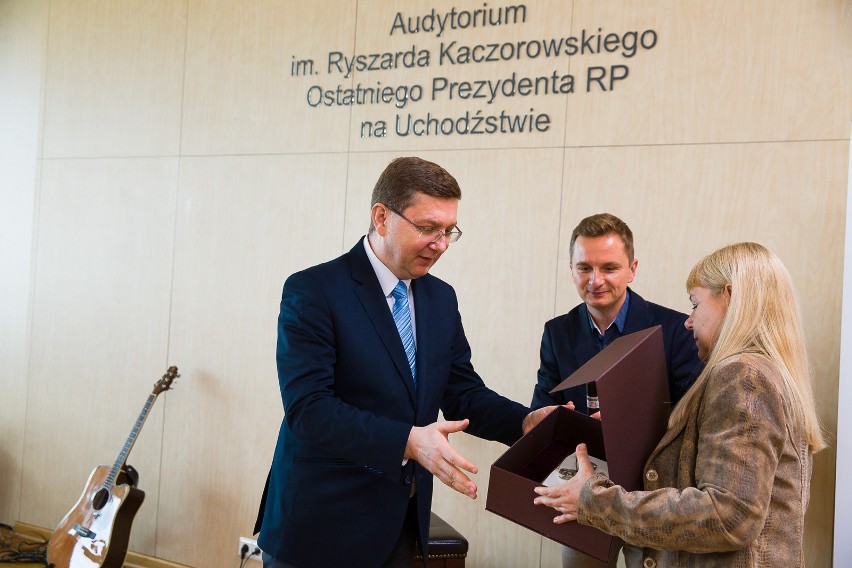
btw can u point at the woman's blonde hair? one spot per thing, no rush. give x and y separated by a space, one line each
762 317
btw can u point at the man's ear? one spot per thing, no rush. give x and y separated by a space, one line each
379 215
633 266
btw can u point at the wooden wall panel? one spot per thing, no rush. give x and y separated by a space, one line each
241 95
765 192
244 224
100 327
23 29
114 78
720 72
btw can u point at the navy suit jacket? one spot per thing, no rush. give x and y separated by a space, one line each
568 343
337 491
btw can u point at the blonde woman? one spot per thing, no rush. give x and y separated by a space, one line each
728 485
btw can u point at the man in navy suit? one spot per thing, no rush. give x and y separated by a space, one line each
602 266
370 348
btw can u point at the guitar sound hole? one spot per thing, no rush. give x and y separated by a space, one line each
100 499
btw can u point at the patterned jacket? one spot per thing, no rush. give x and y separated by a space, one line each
728 486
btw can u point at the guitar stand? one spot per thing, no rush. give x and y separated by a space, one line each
129 475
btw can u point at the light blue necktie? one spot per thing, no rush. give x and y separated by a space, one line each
402 319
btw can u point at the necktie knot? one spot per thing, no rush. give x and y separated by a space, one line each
400 292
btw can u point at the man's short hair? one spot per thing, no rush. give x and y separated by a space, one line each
603 224
405 177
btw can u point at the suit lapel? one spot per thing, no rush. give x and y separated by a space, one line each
638 316
584 342
369 293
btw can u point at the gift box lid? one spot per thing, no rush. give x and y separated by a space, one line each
632 386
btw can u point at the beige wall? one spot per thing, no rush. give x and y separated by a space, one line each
163 173
23 32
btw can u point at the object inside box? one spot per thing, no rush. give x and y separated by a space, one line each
540 466
568 468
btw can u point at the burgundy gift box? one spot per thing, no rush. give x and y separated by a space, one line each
632 386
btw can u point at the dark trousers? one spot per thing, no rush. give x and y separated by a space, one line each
402 555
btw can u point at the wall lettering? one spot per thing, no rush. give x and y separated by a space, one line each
432 48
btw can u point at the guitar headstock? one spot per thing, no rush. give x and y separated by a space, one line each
165 383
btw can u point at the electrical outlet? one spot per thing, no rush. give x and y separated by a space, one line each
253 551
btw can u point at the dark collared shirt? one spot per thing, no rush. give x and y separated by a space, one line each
615 329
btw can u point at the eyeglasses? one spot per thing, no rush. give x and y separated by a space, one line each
434 235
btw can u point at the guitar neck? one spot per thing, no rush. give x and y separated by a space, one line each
131 439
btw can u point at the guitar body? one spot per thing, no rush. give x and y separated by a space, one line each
96 531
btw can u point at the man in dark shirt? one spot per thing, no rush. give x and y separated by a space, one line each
602 267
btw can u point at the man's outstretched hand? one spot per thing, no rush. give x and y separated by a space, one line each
430 447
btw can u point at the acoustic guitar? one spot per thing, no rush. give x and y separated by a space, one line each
95 532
